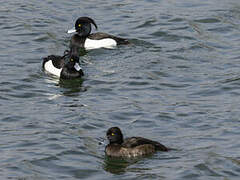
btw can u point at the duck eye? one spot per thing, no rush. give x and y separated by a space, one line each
79 25
112 134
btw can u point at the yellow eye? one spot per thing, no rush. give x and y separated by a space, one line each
113 134
79 25
71 59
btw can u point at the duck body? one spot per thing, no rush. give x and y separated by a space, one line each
83 38
96 40
53 64
71 71
63 67
130 147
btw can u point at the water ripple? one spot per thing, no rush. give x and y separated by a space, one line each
178 82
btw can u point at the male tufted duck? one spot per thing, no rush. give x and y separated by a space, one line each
57 65
83 38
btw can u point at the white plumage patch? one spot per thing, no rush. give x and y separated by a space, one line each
77 67
48 66
103 43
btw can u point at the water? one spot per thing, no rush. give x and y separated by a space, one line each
179 83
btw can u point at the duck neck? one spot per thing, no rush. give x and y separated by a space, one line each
118 142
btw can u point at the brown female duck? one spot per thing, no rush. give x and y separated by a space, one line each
130 147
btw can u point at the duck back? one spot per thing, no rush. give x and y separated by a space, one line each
137 141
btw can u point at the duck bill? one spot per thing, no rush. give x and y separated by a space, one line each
73 30
77 67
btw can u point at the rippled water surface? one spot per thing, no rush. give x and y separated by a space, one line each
178 82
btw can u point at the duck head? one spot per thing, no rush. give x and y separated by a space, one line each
83 26
114 135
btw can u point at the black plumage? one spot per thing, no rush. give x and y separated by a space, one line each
83 31
67 65
69 70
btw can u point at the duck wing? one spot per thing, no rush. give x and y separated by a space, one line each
137 141
101 35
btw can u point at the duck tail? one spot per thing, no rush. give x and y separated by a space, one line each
161 147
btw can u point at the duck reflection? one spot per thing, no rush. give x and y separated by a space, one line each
117 165
71 87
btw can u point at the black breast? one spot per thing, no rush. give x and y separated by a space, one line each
77 41
67 73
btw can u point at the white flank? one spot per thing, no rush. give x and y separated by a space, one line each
103 43
71 31
51 69
77 67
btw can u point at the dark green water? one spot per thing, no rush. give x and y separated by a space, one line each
179 83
